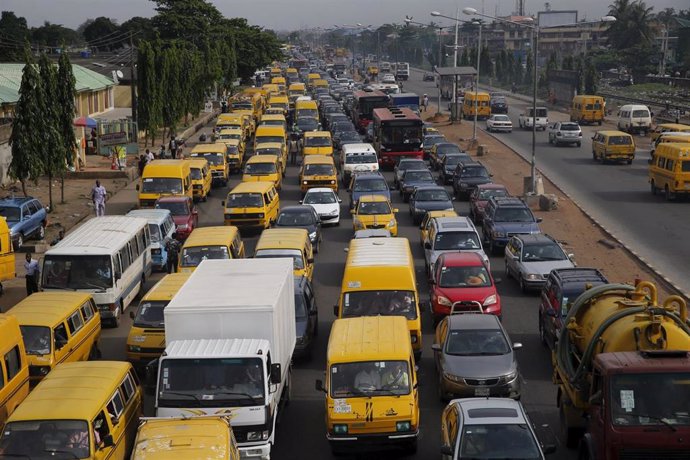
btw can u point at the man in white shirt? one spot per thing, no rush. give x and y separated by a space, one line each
368 379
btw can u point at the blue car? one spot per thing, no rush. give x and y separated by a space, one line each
26 217
505 217
370 183
413 178
429 198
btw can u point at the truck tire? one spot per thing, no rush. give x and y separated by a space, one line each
570 435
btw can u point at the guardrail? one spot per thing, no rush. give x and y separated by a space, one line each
647 102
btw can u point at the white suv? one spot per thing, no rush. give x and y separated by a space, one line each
526 119
357 158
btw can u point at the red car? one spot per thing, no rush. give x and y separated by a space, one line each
480 196
184 213
463 282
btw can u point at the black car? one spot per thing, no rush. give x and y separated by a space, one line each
448 165
302 216
305 124
404 164
428 76
306 317
440 150
562 287
429 198
499 104
413 178
335 117
429 141
346 137
467 176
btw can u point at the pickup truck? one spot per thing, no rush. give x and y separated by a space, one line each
526 119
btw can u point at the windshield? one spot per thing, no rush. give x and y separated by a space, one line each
374 207
161 185
541 112
11 213
431 195
295 254
268 151
307 113
269 139
273 122
318 170
192 256
370 185
211 382
299 219
244 200
36 339
42 439
77 272
453 160
475 171
513 215
476 342
317 141
227 136
196 174
155 232
418 176
150 314
445 241
455 277
176 208
650 399
445 149
479 442
360 159
501 118
542 252
486 194
259 169
212 158
384 303
319 198
401 135
416 164
369 379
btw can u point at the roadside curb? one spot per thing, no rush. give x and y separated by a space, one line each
666 281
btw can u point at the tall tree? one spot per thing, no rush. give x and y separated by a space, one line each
167 65
149 112
13 29
188 20
591 78
103 34
632 26
53 157
27 148
66 90
54 35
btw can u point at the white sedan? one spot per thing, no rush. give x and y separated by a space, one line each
388 78
499 123
325 202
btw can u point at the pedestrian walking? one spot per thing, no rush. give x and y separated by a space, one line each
141 164
32 273
98 195
293 148
149 156
172 146
425 102
172 247
161 152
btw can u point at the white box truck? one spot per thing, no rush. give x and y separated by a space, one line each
230 335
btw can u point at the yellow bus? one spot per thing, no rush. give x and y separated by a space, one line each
669 171
216 155
163 178
252 205
217 242
14 367
201 178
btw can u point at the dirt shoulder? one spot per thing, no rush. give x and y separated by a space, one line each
568 223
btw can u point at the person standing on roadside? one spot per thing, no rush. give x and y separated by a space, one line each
32 273
293 146
142 164
425 102
172 247
161 152
149 156
98 195
172 146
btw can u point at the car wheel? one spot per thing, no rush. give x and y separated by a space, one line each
652 187
594 155
542 334
523 286
507 271
668 195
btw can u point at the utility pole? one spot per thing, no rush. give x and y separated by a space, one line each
476 86
133 78
438 66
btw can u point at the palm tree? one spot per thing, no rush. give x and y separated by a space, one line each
632 23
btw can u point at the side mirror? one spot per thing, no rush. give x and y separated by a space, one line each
395 210
340 200
132 314
539 219
300 201
108 441
446 450
436 347
548 449
318 386
276 373
118 275
517 346
137 187
310 260
571 256
195 212
596 398
335 309
427 245
352 211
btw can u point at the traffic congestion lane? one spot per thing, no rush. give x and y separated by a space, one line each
617 195
301 431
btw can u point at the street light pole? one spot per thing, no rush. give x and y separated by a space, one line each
438 66
476 86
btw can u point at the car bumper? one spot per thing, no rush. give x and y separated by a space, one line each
182 234
329 219
465 389
367 442
567 140
506 129
533 283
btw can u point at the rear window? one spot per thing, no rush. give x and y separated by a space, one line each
620 140
502 412
640 113
685 166
570 127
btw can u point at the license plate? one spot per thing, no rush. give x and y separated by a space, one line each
481 391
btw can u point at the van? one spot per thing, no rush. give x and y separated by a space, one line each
482 102
613 146
230 133
282 85
146 338
162 230
58 327
372 396
80 410
252 204
380 279
185 438
288 242
270 134
668 128
296 90
669 171
263 168
317 143
216 155
676 137
311 78
274 148
221 242
14 367
234 153
162 178
360 157
243 121
276 72
318 171
588 109
201 178
273 120
308 109
279 102
634 119
7 260
320 83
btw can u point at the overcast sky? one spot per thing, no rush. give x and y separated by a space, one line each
298 14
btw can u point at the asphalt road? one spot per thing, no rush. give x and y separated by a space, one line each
301 430
616 195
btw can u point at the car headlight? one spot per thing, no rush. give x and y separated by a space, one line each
463 184
305 182
392 223
497 234
333 213
183 227
453 378
491 300
134 348
403 426
533 276
509 377
444 301
312 236
340 429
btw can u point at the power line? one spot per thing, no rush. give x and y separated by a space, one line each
108 41
104 37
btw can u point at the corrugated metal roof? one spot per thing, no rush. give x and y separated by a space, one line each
379 251
369 338
215 347
11 78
